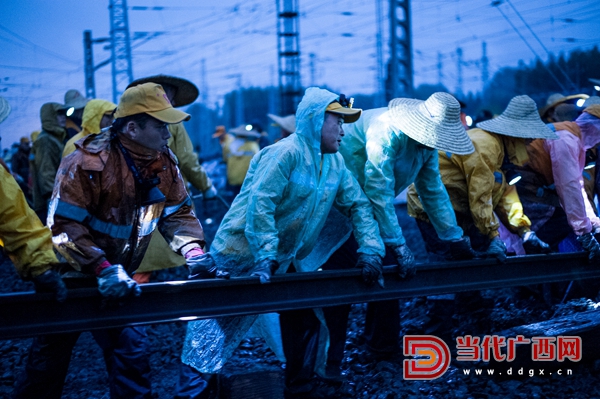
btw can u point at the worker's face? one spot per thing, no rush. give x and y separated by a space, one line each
154 135
106 121
61 119
331 133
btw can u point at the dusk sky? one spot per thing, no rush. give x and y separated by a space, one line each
42 50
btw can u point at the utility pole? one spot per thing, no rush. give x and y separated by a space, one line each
203 83
88 58
122 73
239 103
485 75
313 80
400 72
459 71
379 76
288 48
440 66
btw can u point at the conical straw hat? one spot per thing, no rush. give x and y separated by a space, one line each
434 122
287 123
519 119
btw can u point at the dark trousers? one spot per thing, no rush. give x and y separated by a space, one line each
382 322
300 339
125 354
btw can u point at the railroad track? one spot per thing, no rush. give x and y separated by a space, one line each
30 314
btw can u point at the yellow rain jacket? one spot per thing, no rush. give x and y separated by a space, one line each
27 242
477 186
239 154
92 115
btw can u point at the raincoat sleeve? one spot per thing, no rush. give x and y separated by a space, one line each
272 176
188 159
480 184
566 169
352 202
47 158
27 242
76 193
510 211
178 224
379 188
435 199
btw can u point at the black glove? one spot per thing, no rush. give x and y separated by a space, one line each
115 283
497 250
589 243
533 245
461 249
405 261
204 266
50 281
372 269
264 270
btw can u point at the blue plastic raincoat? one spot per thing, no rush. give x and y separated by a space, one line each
288 192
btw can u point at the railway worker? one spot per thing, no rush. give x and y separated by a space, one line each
110 194
275 221
97 115
558 166
239 153
387 150
480 192
75 103
46 154
26 241
180 92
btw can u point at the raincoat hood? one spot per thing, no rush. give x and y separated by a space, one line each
48 114
310 115
589 124
93 113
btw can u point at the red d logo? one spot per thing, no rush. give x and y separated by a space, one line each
433 357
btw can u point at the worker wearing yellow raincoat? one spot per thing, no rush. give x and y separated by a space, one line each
478 187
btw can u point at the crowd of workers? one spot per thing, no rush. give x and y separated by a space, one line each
105 186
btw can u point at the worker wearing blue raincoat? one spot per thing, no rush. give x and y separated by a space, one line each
275 221
387 150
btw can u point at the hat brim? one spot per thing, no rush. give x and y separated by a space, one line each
4 109
350 115
287 123
544 110
170 115
412 118
187 92
525 129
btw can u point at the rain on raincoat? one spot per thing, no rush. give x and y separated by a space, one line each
385 162
239 153
27 242
477 186
47 151
92 115
289 190
95 212
561 162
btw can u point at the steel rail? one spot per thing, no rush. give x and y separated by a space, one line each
29 314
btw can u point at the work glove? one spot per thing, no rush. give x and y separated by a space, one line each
211 193
589 243
115 283
405 261
461 249
203 266
497 250
264 270
533 245
372 269
50 281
